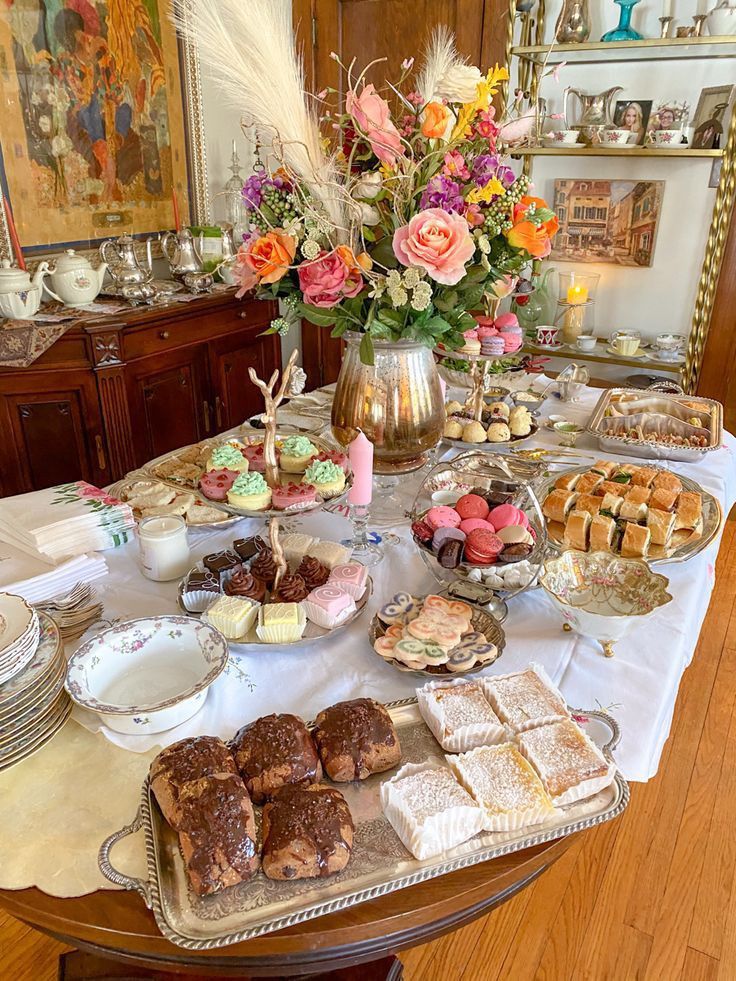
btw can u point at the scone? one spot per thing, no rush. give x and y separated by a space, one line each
355 739
307 833
274 751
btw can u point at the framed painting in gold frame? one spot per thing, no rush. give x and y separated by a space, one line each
101 119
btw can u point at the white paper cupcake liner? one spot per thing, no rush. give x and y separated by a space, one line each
198 600
351 588
436 834
465 737
584 789
281 633
543 720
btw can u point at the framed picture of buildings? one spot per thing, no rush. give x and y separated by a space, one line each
93 133
607 221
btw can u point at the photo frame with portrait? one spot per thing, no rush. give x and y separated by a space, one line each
710 122
633 115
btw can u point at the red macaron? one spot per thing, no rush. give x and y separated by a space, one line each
482 547
472 506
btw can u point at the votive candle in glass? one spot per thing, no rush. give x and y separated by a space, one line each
163 547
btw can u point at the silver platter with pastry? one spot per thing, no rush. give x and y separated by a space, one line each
490 424
644 512
148 496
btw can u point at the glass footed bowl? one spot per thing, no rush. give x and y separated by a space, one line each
602 595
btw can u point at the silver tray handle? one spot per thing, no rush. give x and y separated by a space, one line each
608 747
110 872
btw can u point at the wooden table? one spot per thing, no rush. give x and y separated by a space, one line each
117 937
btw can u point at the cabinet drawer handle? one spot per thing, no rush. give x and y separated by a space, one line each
101 458
207 420
243 315
218 412
164 335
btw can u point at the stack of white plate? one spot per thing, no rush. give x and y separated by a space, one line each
34 704
18 634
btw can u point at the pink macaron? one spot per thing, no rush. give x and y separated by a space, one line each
442 516
505 515
470 524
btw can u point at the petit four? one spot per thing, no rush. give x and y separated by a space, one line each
505 785
199 591
307 833
459 715
233 616
447 533
329 606
250 492
216 483
281 623
254 455
525 699
326 477
227 457
222 563
242 583
296 452
313 572
351 577
293 496
329 553
569 764
355 739
247 548
429 810
295 546
273 752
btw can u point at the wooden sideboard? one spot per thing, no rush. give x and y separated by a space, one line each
112 394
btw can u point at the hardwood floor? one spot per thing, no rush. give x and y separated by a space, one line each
650 896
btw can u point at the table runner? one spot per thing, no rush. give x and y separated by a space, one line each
639 685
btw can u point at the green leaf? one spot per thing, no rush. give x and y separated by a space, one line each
366 350
316 315
383 253
339 329
391 317
473 296
380 331
447 302
368 234
437 326
475 274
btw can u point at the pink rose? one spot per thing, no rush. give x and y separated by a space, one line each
373 117
330 278
438 241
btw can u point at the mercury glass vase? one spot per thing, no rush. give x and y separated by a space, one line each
397 402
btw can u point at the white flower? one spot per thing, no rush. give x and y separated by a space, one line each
398 296
368 214
459 83
421 296
310 249
484 244
393 280
378 288
368 186
412 277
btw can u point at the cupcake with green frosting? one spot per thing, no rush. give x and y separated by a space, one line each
250 492
227 457
296 452
326 477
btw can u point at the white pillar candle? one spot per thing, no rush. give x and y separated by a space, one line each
163 546
666 8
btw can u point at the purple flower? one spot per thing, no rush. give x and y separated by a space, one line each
506 176
442 192
257 184
484 168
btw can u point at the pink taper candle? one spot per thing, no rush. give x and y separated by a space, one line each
443 387
360 452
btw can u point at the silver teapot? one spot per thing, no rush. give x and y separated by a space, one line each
595 111
124 266
182 253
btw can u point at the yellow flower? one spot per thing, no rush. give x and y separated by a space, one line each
485 92
492 189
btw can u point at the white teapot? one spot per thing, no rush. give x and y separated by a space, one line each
74 280
721 20
20 296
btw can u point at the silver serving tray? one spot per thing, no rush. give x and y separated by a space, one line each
379 865
121 488
686 547
638 403
255 435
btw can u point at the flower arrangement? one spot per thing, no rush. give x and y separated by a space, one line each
400 223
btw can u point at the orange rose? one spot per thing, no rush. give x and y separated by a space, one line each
533 240
355 270
271 255
434 121
551 226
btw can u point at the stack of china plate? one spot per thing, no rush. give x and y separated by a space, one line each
33 703
18 635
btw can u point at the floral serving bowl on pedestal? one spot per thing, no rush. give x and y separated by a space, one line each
147 675
601 594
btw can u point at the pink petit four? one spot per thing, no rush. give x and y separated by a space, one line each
216 483
328 606
351 577
442 516
293 496
470 524
254 455
336 457
507 514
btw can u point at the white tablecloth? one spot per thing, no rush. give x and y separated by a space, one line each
639 685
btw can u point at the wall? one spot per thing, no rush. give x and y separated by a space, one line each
660 297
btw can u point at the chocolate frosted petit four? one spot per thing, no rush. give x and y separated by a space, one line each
328 606
292 589
242 583
569 764
281 623
233 616
459 715
248 548
263 567
199 591
429 810
313 572
505 785
222 563
274 751
525 699
307 833
356 738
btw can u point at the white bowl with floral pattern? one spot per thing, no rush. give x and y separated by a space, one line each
147 675
601 594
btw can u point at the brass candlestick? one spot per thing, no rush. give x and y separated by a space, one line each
665 22
269 416
699 20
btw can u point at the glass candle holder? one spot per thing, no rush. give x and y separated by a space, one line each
163 546
575 298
